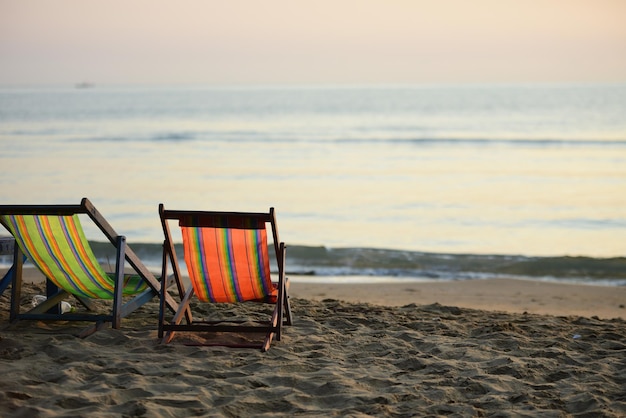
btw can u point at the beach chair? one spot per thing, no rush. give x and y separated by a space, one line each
52 238
228 262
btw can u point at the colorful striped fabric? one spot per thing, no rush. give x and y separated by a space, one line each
228 265
58 247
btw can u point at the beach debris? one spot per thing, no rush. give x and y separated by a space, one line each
39 299
577 336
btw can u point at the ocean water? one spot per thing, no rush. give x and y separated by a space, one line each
411 182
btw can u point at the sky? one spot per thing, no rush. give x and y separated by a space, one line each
311 42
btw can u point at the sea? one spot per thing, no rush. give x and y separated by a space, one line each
369 182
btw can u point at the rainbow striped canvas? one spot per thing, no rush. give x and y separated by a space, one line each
58 247
228 265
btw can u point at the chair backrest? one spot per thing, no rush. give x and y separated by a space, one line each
226 254
58 247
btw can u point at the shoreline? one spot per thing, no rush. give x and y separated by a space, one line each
503 294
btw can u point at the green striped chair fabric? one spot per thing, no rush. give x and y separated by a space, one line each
57 246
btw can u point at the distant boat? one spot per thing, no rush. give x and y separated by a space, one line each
84 85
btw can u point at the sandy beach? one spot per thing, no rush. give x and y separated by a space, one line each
473 348
509 295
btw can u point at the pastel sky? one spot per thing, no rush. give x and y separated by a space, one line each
319 41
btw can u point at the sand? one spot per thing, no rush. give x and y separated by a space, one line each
426 349
510 295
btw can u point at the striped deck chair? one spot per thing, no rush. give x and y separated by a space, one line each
52 238
228 261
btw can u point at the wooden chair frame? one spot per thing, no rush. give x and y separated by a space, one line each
282 310
49 310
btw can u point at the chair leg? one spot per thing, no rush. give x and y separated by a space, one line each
51 290
16 287
8 277
267 342
287 306
277 322
163 292
119 283
183 309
